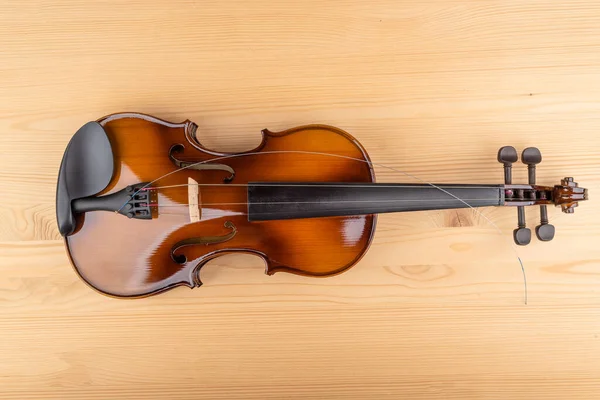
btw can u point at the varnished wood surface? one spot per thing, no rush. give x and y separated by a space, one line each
433 88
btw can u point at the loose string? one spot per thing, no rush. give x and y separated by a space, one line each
315 153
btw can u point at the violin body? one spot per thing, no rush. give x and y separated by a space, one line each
128 257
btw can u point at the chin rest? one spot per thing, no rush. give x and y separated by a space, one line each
86 169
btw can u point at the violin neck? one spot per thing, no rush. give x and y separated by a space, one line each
291 200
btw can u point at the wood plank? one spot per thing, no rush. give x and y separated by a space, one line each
432 89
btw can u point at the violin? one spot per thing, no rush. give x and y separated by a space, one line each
143 205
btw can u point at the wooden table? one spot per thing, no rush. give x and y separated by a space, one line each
433 88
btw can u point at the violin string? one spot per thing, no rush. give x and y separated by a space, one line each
303 202
323 185
316 153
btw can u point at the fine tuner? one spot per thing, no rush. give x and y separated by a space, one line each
566 195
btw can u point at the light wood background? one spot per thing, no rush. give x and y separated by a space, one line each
435 310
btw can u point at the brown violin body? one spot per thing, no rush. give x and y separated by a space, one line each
132 257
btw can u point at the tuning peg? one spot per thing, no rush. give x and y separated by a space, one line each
507 155
532 156
522 234
544 231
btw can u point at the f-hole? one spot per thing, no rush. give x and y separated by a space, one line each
206 166
202 240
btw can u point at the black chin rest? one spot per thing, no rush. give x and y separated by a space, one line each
86 169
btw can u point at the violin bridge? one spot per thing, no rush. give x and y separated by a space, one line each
194 201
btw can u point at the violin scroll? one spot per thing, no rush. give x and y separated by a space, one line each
568 194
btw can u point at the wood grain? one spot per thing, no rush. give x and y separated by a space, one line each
433 88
